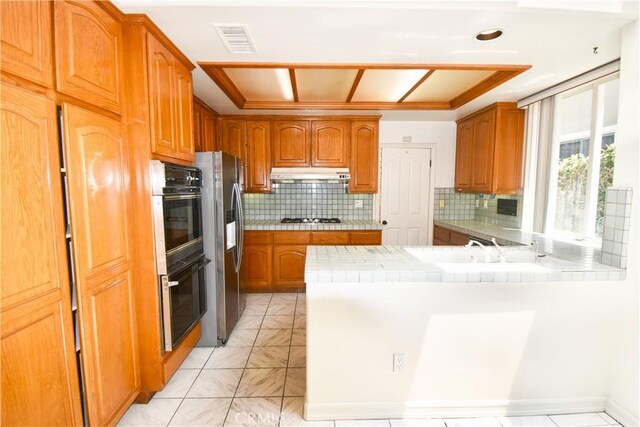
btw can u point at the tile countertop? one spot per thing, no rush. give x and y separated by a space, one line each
252 225
354 264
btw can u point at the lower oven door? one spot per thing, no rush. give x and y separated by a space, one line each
184 300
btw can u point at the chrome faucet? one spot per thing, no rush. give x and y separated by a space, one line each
502 255
487 254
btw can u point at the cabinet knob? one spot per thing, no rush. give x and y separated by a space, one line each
384 222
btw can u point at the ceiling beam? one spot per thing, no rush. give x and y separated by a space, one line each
415 86
356 82
373 66
224 82
494 80
288 105
294 85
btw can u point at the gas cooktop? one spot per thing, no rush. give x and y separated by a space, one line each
311 221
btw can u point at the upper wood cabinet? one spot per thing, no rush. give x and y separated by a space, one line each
25 34
171 94
88 42
39 373
489 150
291 143
197 126
330 143
204 126
464 154
258 161
233 137
99 205
364 157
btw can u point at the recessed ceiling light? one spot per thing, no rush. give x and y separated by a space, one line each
486 35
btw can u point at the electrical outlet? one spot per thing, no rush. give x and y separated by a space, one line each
486 204
358 204
398 362
441 204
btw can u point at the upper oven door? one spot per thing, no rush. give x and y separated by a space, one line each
182 225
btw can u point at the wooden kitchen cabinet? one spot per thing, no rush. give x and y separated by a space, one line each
27 47
257 269
364 157
291 143
330 143
445 237
88 50
40 384
489 150
233 136
258 161
197 126
204 126
288 266
171 94
99 205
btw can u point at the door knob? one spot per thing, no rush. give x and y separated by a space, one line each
384 222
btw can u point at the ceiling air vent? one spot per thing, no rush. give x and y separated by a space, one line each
236 38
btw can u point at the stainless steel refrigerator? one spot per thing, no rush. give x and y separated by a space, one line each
223 233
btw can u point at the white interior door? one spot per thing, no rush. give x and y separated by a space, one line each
405 196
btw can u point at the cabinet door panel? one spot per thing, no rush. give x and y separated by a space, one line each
458 239
39 379
330 238
208 123
161 94
25 33
184 113
288 266
234 137
364 157
88 53
366 237
197 127
483 146
257 267
99 205
330 143
464 156
258 162
291 143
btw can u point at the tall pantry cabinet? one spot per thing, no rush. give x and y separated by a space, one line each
68 318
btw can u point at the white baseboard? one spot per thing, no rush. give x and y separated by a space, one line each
451 409
621 415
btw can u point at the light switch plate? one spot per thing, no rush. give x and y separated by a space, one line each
441 204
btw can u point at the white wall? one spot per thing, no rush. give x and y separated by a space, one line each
471 348
443 134
623 393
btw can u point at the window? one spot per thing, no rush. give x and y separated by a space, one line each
582 159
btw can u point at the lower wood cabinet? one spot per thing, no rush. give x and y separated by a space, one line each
445 237
273 261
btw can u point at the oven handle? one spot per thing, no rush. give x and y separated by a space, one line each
182 196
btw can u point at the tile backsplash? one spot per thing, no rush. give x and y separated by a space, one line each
617 220
307 200
462 206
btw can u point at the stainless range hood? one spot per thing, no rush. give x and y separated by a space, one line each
310 175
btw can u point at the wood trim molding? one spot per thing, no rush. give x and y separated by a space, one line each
297 117
224 82
356 82
373 66
417 85
266 105
294 85
494 80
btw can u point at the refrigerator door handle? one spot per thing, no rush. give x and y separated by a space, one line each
240 227
166 312
236 250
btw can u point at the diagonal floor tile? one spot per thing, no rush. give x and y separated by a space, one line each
273 338
579 420
277 322
300 322
254 412
281 310
299 337
242 338
228 357
268 357
298 357
197 358
472 422
201 412
301 308
249 322
216 383
284 299
179 384
157 412
362 423
291 415
296 383
255 310
258 298
262 382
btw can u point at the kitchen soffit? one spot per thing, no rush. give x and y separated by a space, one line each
356 86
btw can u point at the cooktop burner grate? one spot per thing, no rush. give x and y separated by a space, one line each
311 221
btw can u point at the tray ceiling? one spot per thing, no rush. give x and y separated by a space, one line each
356 86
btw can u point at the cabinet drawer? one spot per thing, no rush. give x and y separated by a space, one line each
437 242
441 234
458 239
330 238
291 237
366 237
257 238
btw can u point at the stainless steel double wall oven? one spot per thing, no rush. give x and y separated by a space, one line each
180 258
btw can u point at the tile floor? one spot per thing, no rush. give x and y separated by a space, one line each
258 380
